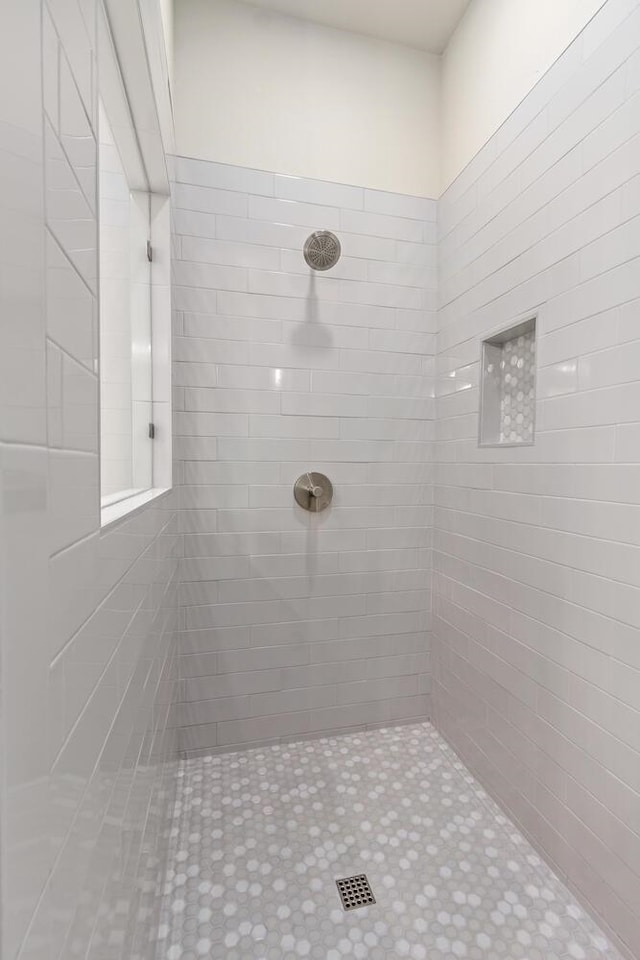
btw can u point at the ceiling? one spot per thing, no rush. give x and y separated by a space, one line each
426 24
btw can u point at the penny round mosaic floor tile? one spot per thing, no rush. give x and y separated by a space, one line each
259 839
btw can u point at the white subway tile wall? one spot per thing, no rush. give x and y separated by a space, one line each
293 623
536 564
88 618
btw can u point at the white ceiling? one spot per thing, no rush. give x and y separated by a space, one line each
426 24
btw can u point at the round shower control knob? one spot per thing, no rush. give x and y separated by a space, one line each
313 491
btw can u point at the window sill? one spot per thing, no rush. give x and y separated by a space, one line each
113 512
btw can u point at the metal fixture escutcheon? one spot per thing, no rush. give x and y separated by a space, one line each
313 491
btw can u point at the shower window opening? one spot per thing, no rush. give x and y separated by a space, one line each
126 381
134 294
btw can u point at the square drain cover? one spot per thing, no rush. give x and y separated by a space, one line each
355 892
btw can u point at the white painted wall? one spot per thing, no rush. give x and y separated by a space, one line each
497 54
271 92
259 89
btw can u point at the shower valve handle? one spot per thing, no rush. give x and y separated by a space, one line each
313 491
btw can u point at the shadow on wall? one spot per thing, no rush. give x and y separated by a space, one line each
312 333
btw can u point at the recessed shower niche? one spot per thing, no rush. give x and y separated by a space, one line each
508 386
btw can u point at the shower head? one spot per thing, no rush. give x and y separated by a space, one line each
322 250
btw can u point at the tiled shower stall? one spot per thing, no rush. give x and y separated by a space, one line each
217 706
294 624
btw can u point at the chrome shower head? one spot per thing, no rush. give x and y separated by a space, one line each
322 250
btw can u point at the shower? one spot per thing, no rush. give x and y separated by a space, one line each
319 579
322 250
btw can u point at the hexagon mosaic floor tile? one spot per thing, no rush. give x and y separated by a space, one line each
261 837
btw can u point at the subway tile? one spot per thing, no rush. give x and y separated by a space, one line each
267 307
242 230
317 631
199 737
210 497
195 300
369 247
377 361
403 274
283 284
209 472
298 356
50 70
330 540
196 359
192 223
226 252
71 307
209 200
246 380
231 544
232 401
76 44
74 500
263 658
318 192
399 205
277 725
214 568
197 649
615 129
348 337
386 429
608 367
222 176
76 136
368 647
322 405
211 425
377 690
210 711
205 687
381 225
293 212
289 701
593 334
194 448
187 274
79 407
69 216
613 248
293 426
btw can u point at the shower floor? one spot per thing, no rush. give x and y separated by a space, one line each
260 838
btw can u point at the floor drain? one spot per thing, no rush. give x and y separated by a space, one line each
355 892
